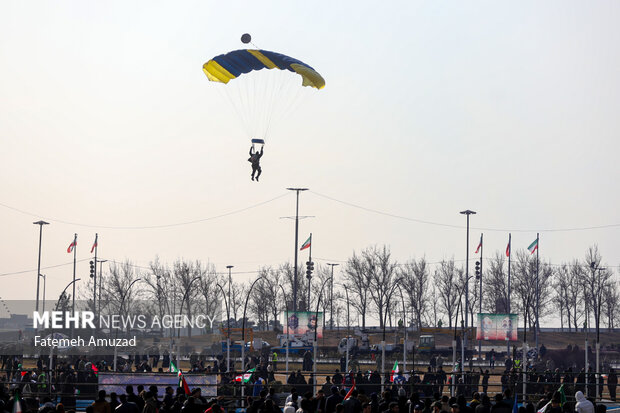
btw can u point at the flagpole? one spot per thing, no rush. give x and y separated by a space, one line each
95 276
73 297
309 276
537 289
480 296
509 256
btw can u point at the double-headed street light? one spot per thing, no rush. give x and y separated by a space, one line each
468 213
297 190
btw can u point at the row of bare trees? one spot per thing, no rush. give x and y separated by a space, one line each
380 290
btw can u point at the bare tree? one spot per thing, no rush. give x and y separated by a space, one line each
381 276
117 297
268 301
184 274
159 289
611 300
415 276
357 282
447 279
560 299
495 279
524 286
288 276
210 302
596 279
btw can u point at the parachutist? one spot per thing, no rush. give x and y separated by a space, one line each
255 160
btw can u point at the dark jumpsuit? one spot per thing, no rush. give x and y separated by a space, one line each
255 160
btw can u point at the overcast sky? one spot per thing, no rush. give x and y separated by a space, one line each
107 120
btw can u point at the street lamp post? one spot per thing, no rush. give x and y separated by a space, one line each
346 291
287 327
405 335
40 224
297 190
316 329
389 298
459 307
229 303
331 299
63 292
44 283
245 307
123 296
597 316
228 329
467 212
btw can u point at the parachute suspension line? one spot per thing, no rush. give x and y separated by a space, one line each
226 94
276 91
272 101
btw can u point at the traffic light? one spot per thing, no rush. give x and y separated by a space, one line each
309 268
478 273
92 269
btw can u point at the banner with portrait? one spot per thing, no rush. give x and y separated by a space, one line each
302 322
497 327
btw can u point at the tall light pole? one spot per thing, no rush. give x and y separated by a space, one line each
316 329
123 296
597 317
331 299
467 212
228 330
230 267
245 307
348 327
297 190
44 283
40 224
288 345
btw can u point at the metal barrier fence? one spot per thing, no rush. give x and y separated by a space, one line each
75 390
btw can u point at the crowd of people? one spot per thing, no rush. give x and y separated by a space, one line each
368 392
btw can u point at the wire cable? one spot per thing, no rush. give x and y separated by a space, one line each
421 221
236 211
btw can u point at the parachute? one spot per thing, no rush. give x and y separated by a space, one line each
226 67
261 97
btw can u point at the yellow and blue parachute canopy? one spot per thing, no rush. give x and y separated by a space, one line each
231 65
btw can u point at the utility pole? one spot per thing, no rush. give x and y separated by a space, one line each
537 326
331 299
509 253
228 332
297 190
467 213
40 224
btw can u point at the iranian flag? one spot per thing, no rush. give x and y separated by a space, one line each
72 245
95 369
394 371
350 393
173 368
182 382
306 244
246 376
94 244
533 246
479 245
